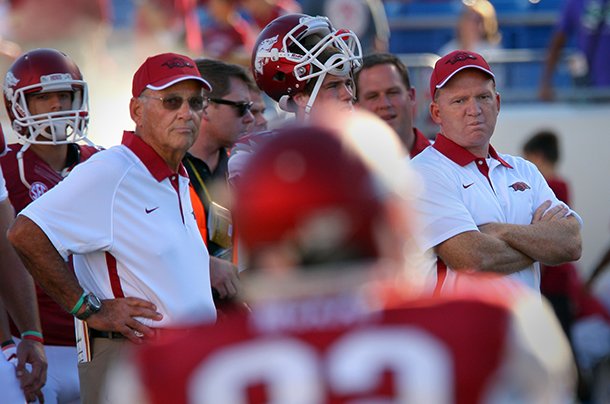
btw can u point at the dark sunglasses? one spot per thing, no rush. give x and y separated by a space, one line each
242 107
174 102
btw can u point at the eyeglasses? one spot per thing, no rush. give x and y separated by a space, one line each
174 102
242 107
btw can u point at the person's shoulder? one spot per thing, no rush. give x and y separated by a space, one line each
426 158
518 162
108 162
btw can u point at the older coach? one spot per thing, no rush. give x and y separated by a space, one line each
126 219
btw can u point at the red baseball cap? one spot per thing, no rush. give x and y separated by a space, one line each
447 66
164 70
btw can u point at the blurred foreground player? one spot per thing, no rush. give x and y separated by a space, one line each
336 316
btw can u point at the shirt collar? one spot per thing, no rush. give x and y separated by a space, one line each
157 167
420 143
459 155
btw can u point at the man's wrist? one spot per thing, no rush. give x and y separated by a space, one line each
78 304
33 336
91 305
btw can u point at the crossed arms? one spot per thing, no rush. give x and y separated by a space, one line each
552 238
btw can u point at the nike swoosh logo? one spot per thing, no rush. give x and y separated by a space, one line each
468 185
150 210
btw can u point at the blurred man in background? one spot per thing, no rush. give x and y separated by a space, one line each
383 87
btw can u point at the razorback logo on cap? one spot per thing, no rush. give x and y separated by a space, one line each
177 62
519 186
450 64
460 57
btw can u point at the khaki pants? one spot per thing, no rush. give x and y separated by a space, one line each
92 374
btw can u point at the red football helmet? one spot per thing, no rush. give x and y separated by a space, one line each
282 66
309 188
41 71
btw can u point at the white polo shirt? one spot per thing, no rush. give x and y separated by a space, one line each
128 220
462 192
3 190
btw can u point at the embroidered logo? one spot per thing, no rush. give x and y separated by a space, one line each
467 185
519 186
177 62
460 57
149 211
37 189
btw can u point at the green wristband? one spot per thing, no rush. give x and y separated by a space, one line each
31 333
78 304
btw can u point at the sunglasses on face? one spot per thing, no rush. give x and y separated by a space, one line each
242 107
174 102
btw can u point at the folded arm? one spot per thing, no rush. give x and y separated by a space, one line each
552 238
474 250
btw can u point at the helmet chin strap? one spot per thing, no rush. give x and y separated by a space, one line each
20 165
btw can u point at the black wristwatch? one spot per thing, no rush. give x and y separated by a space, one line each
92 305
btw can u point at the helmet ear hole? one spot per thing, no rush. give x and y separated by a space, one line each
279 76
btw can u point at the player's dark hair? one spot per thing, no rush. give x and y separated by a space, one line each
377 59
544 142
219 73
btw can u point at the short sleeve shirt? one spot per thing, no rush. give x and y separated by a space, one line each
127 219
462 192
3 191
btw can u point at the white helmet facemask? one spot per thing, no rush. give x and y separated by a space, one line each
52 128
347 60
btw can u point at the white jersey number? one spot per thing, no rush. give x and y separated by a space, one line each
295 373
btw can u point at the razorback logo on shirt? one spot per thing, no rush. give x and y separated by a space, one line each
519 186
37 189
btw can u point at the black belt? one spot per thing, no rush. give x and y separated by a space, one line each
93 333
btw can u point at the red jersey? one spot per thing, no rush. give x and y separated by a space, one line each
335 350
421 142
2 142
57 325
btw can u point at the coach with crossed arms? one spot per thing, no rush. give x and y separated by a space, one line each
127 220
482 210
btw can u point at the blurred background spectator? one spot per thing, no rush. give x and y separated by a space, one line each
476 30
583 317
588 21
226 34
366 18
262 12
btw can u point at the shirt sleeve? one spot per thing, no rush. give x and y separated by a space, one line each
76 214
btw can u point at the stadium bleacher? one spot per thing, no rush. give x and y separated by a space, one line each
424 26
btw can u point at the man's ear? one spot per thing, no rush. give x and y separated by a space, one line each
205 116
136 110
435 113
